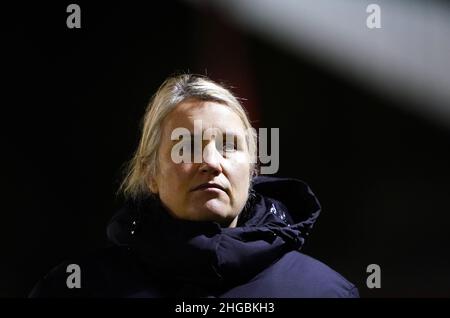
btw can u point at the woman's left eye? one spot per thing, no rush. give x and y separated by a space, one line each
229 146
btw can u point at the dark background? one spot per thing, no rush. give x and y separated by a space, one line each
72 101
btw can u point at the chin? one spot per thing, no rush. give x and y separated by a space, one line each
215 211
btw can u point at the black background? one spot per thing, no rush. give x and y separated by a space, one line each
72 100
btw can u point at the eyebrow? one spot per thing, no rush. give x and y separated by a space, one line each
190 135
230 134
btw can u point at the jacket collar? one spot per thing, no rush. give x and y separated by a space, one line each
278 221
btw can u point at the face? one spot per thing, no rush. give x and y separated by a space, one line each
214 188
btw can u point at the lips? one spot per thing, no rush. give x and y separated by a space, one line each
208 186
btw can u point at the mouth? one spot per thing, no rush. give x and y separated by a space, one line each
211 186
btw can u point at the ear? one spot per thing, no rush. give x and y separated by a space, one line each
153 185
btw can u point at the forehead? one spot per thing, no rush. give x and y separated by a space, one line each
211 115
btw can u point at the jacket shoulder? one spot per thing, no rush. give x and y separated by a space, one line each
321 279
296 275
107 272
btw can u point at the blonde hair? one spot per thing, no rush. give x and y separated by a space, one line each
172 92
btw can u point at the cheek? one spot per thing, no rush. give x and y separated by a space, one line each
241 164
239 173
175 177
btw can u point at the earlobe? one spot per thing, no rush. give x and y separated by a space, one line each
153 186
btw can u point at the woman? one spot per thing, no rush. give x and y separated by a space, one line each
205 228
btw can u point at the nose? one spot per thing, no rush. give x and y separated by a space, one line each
211 161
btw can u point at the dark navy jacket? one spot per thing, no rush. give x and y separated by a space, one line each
155 255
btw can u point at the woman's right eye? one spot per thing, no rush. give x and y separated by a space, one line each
188 145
